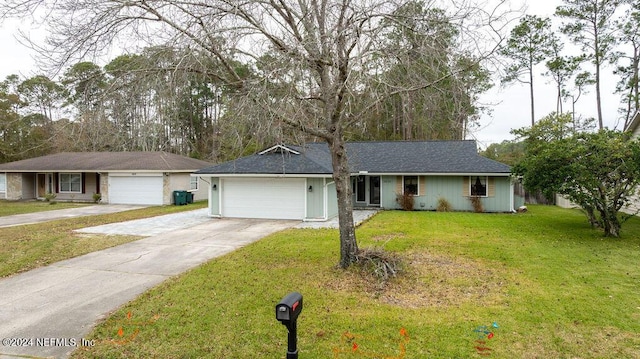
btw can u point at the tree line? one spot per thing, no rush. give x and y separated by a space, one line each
175 99
607 32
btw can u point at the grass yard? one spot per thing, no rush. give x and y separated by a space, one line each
8 208
30 246
553 287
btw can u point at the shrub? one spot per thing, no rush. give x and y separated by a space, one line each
476 202
443 205
406 201
97 197
50 197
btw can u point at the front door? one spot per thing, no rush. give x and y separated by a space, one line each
44 184
374 190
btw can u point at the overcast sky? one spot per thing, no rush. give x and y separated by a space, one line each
510 105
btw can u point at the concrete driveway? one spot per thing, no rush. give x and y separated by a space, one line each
65 300
37 217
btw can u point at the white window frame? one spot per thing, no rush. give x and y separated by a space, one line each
3 182
484 180
70 182
194 183
404 185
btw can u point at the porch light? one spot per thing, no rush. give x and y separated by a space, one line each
215 187
310 188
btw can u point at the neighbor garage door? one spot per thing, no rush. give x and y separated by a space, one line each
275 198
135 190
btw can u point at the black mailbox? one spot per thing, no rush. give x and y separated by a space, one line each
287 312
289 308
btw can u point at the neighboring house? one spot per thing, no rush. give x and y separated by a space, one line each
634 129
147 178
295 182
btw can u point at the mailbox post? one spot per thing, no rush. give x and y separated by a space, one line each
287 312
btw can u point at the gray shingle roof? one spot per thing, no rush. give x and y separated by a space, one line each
429 157
106 161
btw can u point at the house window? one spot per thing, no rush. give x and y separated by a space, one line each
70 182
411 185
194 183
3 182
478 186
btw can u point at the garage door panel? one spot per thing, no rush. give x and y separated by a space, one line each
278 198
135 190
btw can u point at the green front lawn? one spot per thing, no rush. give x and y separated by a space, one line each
553 287
30 246
8 208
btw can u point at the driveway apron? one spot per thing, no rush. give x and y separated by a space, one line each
63 301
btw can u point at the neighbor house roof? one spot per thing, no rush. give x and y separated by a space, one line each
106 162
392 157
634 124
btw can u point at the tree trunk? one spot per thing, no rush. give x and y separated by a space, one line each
533 117
591 216
635 80
611 224
597 63
342 178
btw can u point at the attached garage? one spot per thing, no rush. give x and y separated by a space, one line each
274 198
139 189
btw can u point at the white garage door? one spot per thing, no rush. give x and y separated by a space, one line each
275 198
135 190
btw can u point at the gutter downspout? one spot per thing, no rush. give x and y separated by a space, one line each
511 189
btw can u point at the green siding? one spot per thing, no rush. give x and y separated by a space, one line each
332 200
501 201
214 197
388 192
450 188
315 198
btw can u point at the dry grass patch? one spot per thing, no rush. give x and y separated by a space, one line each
388 237
428 280
436 280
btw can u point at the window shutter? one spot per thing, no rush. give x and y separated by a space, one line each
83 179
55 182
423 186
466 186
399 185
491 189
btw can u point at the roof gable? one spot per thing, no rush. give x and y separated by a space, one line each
106 161
392 157
279 149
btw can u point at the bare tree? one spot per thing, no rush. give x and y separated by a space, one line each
328 51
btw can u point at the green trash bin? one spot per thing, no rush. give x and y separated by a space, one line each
179 198
189 197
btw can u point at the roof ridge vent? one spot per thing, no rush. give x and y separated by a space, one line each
279 149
